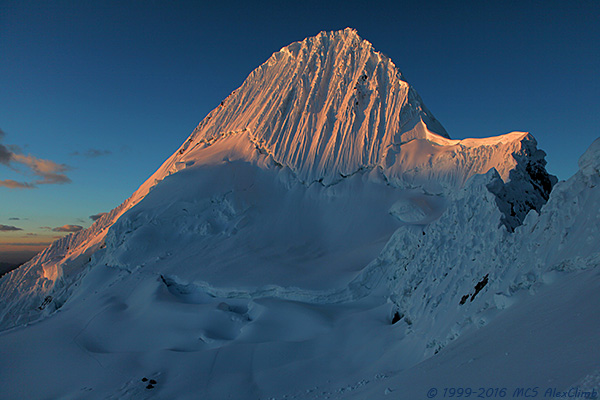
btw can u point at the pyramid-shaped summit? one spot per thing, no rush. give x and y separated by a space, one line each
325 106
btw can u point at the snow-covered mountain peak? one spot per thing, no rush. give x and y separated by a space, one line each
325 106
325 110
324 39
330 106
318 235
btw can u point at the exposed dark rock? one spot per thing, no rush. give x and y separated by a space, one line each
397 317
528 188
480 285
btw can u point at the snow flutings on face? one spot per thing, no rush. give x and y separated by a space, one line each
48 171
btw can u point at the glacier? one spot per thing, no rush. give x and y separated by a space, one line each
319 235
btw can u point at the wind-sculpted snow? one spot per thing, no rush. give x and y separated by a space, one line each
325 106
331 106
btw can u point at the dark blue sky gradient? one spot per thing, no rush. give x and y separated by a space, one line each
134 78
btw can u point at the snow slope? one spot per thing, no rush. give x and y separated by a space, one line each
534 323
543 285
318 235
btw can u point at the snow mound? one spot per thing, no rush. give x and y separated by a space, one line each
589 162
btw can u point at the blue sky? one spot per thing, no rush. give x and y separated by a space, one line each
95 95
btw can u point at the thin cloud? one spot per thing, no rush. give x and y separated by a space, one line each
92 153
11 184
48 171
96 217
6 228
5 154
68 228
14 148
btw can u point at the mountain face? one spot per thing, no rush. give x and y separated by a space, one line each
269 255
325 107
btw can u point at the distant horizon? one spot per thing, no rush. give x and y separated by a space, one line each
94 101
